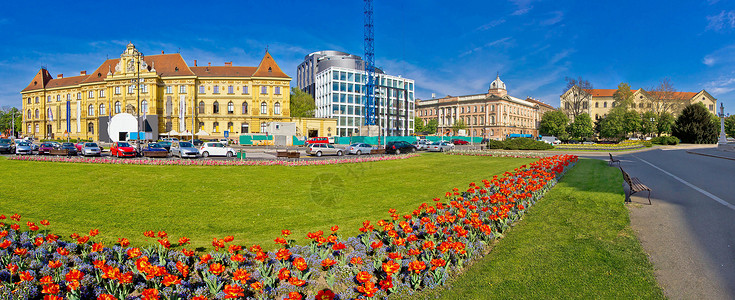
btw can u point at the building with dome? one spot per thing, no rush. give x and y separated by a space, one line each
171 98
495 114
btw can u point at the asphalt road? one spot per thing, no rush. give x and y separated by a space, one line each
689 231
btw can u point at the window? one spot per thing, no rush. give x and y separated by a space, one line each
169 107
230 89
597 104
169 89
117 90
640 105
48 98
245 89
263 127
229 126
144 107
37 127
462 110
79 96
244 128
90 95
201 125
244 108
58 98
90 128
182 89
67 96
201 89
117 107
711 107
90 110
102 109
215 107
277 108
215 127
29 113
263 108
604 104
37 113
278 90
230 108
649 106
131 89
216 89
29 100
29 128
201 107
263 90
102 93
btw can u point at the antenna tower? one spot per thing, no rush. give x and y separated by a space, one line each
369 34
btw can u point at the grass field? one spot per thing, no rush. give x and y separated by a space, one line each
251 203
574 243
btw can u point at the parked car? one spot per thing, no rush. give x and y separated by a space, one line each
460 142
166 144
154 147
421 144
7 146
216 149
551 140
91 149
317 140
440 146
170 139
34 147
122 149
359 148
197 142
399 147
23 148
224 141
70 148
184 149
45 148
79 146
320 149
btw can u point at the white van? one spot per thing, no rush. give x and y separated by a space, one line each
551 140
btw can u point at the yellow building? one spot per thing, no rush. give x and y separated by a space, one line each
174 98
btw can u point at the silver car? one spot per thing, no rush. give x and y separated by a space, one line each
323 149
91 149
23 148
359 148
184 149
440 146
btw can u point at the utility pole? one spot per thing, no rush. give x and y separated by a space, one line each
137 84
12 128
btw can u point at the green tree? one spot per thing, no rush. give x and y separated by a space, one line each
431 126
554 123
459 125
6 119
730 126
582 126
664 123
418 125
695 125
623 96
301 104
631 122
648 123
613 126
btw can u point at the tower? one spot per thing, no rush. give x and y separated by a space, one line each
497 87
369 64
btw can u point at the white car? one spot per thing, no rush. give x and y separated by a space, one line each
216 149
23 148
440 146
359 148
551 140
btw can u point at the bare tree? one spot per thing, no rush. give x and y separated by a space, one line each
579 93
664 98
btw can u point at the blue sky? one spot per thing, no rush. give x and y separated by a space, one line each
448 48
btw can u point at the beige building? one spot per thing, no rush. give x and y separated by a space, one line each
598 102
492 115
173 97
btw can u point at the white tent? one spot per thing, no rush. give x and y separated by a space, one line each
172 132
202 133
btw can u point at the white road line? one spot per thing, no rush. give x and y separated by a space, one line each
706 193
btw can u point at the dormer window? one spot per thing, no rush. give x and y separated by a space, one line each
270 70
176 69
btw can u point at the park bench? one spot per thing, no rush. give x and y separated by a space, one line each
294 154
282 153
58 152
635 185
377 151
612 160
155 153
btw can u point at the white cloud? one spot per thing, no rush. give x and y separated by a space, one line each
502 41
556 17
722 56
723 21
722 85
524 6
490 25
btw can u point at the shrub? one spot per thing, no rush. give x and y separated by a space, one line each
647 143
493 144
665 140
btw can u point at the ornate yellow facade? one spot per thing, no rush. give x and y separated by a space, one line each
173 97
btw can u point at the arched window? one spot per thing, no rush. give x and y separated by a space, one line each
263 108
244 108
90 128
215 127
201 107
230 108
263 127
277 108
49 114
215 107
117 107
37 127
36 99
90 110
102 109
29 100
30 129
48 98
29 114
229 126
144 107
37 113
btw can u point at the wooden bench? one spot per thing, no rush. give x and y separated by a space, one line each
612 160
282 153
155 153
294 154
635 185
58 152
377 151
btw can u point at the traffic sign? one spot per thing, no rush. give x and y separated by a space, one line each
227 133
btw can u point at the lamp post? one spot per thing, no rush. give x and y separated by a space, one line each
137 85
723 138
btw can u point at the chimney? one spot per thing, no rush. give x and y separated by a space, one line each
210 64
82 73
161 51
60 76
195 62
228 64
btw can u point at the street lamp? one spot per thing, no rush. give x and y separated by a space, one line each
137 85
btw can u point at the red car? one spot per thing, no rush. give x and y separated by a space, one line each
122 149
45 148
459 142
317 140
79 146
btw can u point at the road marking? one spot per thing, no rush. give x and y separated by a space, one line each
706 193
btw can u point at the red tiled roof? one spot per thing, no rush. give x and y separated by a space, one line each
166 65
67 81
539 103
681 95
39 81
223 71
269 68
101 73
604 92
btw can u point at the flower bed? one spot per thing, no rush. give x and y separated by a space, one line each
397 256
624 145
208 162
496 153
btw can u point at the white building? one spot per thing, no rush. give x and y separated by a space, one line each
339 93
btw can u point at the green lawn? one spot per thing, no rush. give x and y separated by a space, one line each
251 203
576 242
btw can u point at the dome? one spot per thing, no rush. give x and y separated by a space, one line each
497 83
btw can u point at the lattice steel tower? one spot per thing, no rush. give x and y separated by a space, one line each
370 103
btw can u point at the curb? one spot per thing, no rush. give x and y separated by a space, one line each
711 155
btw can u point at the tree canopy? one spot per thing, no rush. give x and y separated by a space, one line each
431 126
730 126
623 96
664 123
302 104
554 123
696 125
582 126
577 100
